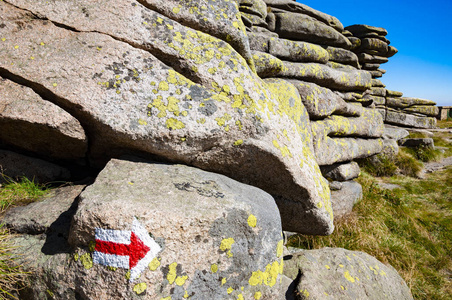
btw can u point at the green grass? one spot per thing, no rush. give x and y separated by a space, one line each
444 123
408 228
14 193
403 163
19 192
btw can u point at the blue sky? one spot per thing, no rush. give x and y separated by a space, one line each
422 33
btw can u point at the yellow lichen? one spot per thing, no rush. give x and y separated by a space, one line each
154 264
171 276
252 221
140 288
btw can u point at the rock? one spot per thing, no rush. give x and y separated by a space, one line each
417 142
360 30
322 102
388 186
393 94
295 26
335 185
356 43
133 103
259 41
297 51
341 79
292 6
378 83
401 119
343 56
377 45
367 58
55 210
370 67
391 51
344 274
427 110
257 7
378 91
390 149
378 100
392 133
33 124
271 21
376 73
344 199
253 20
405 102
15 166
234 233
267 65
329 150
341 172
374 35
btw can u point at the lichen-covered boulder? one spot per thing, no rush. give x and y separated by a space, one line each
297 51
231 122
343 56
267 65
33 124
405 102
345 198
341 172
194 234
335 273
360 30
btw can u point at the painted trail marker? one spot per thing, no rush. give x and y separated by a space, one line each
132 250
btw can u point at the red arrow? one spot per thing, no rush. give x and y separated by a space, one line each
136 250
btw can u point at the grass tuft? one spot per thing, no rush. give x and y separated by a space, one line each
423 153
19 192
409 228
404 163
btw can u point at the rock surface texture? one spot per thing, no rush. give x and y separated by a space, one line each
271 93
342 274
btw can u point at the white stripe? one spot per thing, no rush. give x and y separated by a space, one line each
115 236
111 260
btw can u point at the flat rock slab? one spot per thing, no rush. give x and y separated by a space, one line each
31 123
341 172
16 165
335 273
218 238
417 142
408 120
344 199
395 133
38 217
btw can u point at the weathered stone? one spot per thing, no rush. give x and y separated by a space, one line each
133 103
335 185
344 199
375 99
344 274
392 94
391 51
231 223
430 110
356 43
330 148
253 20
341 79
360 30
370 67
392 133
263 30
376 73
382 112
297 51
350 96
402 119
259 41
417 142
55 210
257 7
343 56
376 36
31 123
267 65
297 7
234 233
271 21
322 102
378 91
341 172
377 45
378 83
301 27
347 33
390 149
404 102
15 166
367 58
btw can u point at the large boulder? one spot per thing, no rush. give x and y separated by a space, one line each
405 102
345 198
297 51
335 273
341 172
195 234
38 126
232 122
